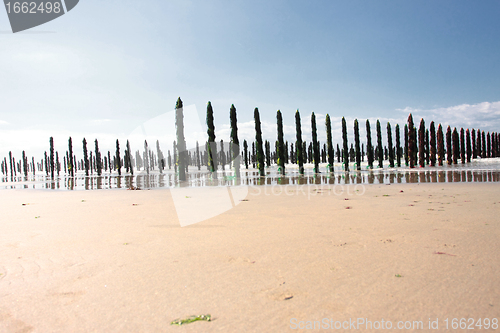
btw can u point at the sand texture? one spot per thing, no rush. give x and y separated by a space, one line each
118 260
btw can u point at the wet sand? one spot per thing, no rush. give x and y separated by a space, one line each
118 260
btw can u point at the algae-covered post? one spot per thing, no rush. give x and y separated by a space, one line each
298 145
345 152
222 157
427 148
462 145
5 166
46 161
483 140
281 148
494 152
432 142
181 142
267 148
389 145
406 145
440 145
369 146
421 143
98 158
129 156
258 142
58 165
245 152
175 155
70 158
160 155
118 161
25 164
398 146
456 146
86 157
492 144
235 142
252 157
474 149
478 143
329 144
211 145
357 143
380 148
51 141
411 141
449 153
111 165
315 144
145 156
10 159
468 143
198 159
488 145
92 164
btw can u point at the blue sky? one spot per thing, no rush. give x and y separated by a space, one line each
107 68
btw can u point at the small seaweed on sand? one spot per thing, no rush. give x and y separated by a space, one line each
191 319
398 275
453 255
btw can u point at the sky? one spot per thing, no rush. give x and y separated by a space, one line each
114 69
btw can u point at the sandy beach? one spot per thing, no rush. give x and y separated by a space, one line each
281 259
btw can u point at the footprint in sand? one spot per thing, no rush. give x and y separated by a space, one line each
282 296
241 260
279 293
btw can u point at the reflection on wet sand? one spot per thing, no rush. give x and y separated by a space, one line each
251 178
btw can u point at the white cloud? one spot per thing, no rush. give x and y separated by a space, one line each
485 116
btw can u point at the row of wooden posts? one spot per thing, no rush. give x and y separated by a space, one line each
422 146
